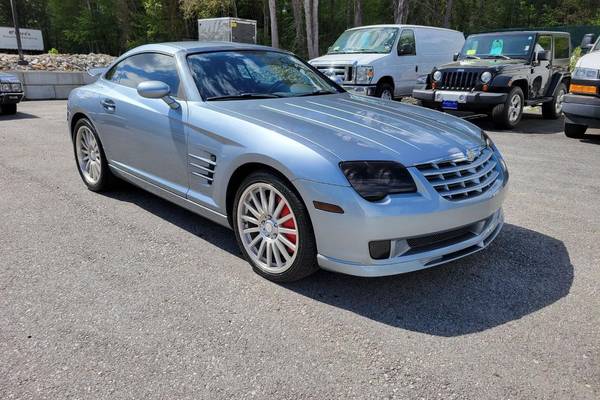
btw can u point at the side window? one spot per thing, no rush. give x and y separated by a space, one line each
406 44
146 67
562 48
544 44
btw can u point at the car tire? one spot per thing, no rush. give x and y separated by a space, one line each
575 131
553 109
91 164
509 114
258 228
8 109
385 91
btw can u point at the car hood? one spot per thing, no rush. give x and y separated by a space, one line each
591 60
350 58
484 63
8 77
360 128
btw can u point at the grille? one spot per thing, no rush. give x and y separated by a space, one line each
459 80
344 72
203 167
462 179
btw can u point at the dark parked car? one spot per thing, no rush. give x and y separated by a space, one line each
500 73
11 93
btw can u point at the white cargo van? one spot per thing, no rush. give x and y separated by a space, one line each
385 60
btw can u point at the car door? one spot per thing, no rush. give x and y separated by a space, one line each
542 70
146 137
407 69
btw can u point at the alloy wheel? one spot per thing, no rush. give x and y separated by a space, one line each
560 98
514 110
88 155
386 95
268 228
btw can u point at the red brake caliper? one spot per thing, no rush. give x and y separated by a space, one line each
288 224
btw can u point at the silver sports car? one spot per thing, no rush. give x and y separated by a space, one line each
306 174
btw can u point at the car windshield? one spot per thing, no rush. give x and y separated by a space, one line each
236 75
498 46
597 46
368 40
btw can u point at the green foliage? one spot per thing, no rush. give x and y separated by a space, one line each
113 26
53 51
574 58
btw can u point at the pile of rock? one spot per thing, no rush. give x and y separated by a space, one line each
58 62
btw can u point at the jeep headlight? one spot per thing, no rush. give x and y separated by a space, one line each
364 74
5 87
486 77
586 73
437 76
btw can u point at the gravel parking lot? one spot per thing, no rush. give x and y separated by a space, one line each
124 295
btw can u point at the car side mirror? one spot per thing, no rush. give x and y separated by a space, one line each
157 90
543 56
455 56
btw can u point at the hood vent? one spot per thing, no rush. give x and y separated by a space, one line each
203 166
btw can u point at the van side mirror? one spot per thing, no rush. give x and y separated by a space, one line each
455 56
157 90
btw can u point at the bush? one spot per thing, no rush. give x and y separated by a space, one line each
53 51
574 58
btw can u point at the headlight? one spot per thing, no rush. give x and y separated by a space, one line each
374 180
488 141
364 74
5 87
586 73
486 77
16 87
437 76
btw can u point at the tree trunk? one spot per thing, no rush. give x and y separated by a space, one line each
274 30
400 11
311 11
299 41
358 16
448 16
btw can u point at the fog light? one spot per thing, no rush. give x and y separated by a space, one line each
380 250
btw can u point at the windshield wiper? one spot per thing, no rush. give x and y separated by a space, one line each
243 96
471 57
499 56
319 92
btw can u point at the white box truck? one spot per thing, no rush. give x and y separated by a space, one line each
386 60
227 29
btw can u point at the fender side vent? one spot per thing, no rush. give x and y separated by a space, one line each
203 166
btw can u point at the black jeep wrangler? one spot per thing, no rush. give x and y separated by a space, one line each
500 73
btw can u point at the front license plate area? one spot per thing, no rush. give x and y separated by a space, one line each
450 105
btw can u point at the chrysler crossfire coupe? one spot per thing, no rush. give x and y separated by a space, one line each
307 175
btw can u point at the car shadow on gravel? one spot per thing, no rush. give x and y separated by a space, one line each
522 272
533 124
17 116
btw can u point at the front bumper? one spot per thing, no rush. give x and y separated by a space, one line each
365 90
582 110
343 239
463 98
11 98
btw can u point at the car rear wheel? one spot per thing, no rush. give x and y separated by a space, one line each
273 229
509 114
89 155
553 109
8 109
575 131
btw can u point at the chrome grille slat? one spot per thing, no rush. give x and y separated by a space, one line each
459 179
459 80
487 154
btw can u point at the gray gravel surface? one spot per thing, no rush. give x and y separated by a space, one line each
125 296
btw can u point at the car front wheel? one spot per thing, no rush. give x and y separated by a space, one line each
8 109
509 114
273 228
385 91
553 109
89 155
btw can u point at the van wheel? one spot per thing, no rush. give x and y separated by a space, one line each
385 91
509 114
553 109
575 131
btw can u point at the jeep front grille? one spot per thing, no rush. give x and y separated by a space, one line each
461 179
458 80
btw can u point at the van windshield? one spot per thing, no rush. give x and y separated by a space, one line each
597 46
367 40
500 45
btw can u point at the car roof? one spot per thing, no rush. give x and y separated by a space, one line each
197 47
524 32
403 26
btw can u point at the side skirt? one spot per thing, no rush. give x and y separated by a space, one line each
196 208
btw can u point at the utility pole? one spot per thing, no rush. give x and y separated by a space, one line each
13 7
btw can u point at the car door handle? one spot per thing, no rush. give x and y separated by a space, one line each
416 68
109 105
